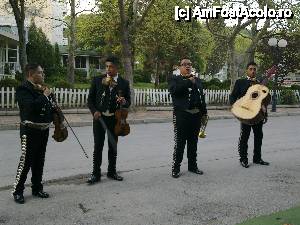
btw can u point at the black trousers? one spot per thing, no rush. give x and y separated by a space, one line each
186 130
243 141
99 137
34 143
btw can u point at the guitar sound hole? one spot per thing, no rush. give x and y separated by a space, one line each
254 95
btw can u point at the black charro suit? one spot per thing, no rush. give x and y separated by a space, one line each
103 99
240 89
35 108
189 106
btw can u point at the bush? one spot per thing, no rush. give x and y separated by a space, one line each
137 78
213 87
214 81
8 82
19 76
81 76
62 84
288 97
163 85
226 84
141 77
295 87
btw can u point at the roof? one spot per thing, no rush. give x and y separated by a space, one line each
9 32
63 49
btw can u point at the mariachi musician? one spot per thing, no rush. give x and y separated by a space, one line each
36 112
240 89
107 92
189 108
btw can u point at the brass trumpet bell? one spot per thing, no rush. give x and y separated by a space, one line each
204 120
202 134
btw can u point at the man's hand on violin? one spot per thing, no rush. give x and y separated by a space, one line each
192 78
121 100
47 92
97 115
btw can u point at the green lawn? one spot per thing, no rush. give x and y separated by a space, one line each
287 217
143 85
82 86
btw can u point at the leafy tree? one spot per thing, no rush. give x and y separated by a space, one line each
39 50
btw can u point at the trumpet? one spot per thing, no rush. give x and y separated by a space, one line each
109 81
204 120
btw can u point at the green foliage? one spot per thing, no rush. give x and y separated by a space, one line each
226 84
8 82
39 50
213 87
163 85
143 85
100 31
162 41
288 97
81 76
295 87
62 84
141 76
19 76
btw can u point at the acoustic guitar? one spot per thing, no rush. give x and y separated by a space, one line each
251 108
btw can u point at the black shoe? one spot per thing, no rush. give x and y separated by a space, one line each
114 176
196 171
175 174
40 194
244 164
93 179
261 162
19 198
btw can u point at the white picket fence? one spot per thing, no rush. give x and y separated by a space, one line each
77 98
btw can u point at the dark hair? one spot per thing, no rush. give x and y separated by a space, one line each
31 67
113 59
182 58
251 64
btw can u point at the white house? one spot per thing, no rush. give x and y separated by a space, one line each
9 52
292 79
48 15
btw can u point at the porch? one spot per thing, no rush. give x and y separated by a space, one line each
9 53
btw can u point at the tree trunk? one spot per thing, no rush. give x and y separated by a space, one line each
126 48
19 13
156 73
72 44
231 66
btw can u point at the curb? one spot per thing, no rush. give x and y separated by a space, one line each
150 120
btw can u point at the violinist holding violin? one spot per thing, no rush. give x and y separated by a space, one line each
107 93
36 114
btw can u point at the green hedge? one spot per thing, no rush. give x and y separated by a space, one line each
288 97
8 82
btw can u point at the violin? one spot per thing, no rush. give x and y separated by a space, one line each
122 128
60 130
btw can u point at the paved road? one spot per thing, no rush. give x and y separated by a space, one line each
226 194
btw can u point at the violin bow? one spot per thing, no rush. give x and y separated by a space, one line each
111 138
84 152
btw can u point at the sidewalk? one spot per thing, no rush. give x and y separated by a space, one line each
9 120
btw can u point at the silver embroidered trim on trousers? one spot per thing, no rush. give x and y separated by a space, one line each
22 161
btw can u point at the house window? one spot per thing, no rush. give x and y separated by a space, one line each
80 62
12 55
95 63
